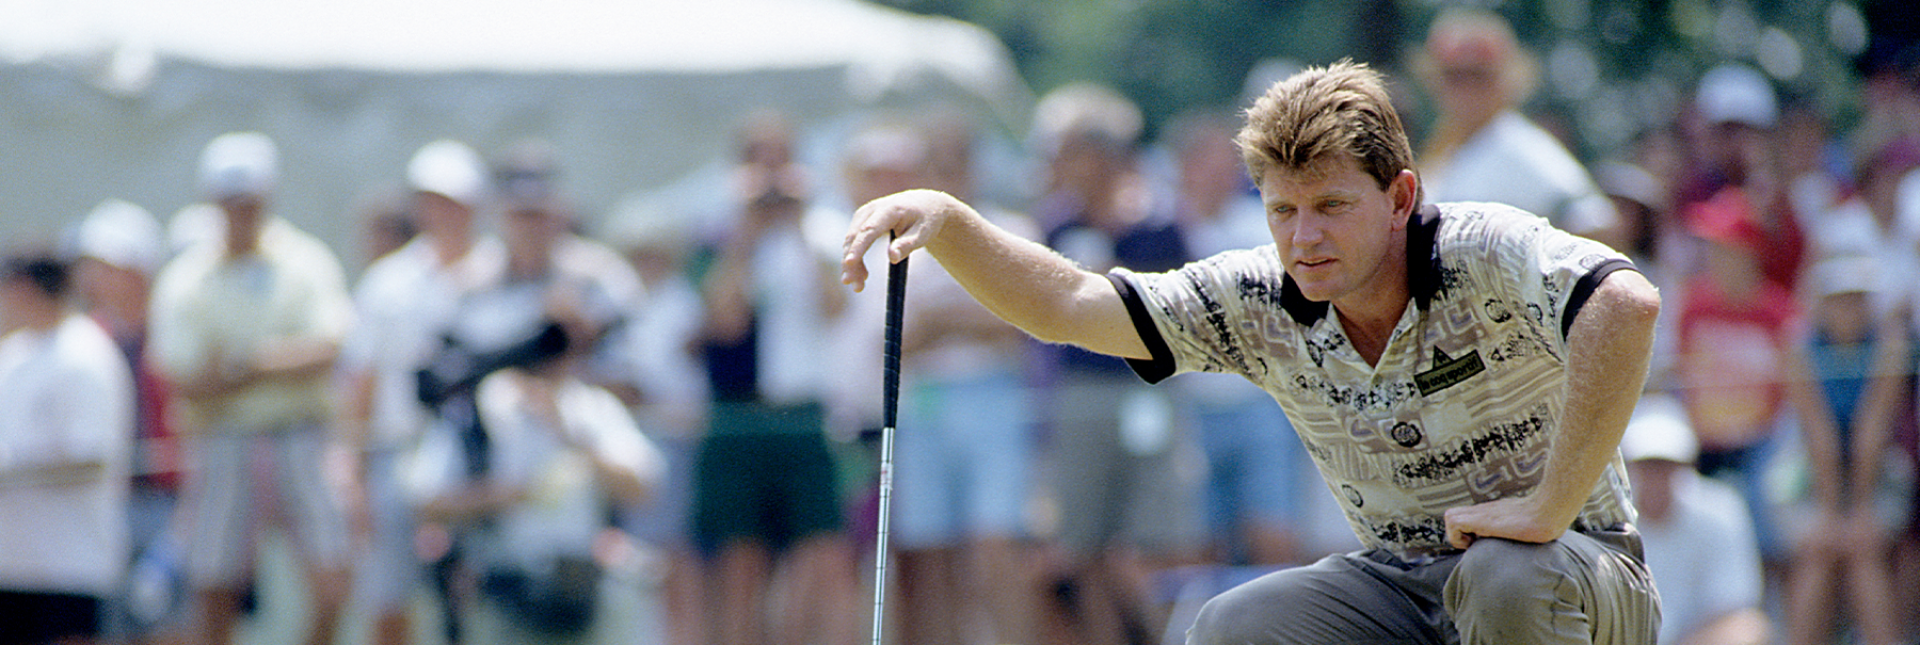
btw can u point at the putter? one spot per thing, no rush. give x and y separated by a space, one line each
889 415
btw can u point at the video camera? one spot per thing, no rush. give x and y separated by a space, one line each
456 370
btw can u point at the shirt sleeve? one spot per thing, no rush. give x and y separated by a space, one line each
1549 272
1220 314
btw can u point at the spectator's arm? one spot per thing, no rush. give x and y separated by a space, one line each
1747 626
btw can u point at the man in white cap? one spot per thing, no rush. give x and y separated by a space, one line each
404 303
1738 113
247 329
119 247
1699 544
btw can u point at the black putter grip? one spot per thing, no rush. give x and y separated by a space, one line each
896 313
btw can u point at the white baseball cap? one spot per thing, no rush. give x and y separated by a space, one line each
122 234
1737 94
1847 273
239 163
449 168
1659 430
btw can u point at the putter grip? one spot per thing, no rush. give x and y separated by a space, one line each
896 313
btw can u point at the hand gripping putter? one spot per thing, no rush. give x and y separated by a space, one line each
889 415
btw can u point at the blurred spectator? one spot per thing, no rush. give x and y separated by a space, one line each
766 498
1482 148
387 223
405 301
1734 342
965 454
1869 221
1698 540
120 246
553 268
1812 164
562 451
1254 460
1847 391
1127 474
65 450
1734 154
669 399
247 330
1888 70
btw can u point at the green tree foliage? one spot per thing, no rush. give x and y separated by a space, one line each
1611 67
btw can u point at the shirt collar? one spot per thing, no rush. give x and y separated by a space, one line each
1423 271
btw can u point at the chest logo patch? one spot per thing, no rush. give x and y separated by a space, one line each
1448 371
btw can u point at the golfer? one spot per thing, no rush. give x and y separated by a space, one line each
1461 374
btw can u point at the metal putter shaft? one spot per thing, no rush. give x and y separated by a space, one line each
890 413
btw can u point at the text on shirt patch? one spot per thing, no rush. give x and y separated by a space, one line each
1448 371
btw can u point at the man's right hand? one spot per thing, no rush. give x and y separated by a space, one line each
913 217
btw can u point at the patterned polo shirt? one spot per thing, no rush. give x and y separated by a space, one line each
1465 399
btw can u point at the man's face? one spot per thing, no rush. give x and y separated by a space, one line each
531 232
243 219
1471 90
1336 230
441 215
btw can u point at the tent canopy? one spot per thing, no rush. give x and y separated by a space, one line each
113 98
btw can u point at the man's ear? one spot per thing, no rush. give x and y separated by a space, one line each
1404 191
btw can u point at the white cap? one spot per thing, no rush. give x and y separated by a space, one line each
122 234
239 163
1737 94
1659 430
1622 179
449 168
1849 273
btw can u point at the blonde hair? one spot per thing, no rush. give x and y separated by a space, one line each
1322 113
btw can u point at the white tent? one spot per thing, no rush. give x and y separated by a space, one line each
114 98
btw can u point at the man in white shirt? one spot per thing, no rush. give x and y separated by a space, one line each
1482 148
1699 542
66 441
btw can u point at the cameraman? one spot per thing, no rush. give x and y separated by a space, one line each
561 451
555 296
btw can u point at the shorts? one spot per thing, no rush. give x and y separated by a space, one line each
1253 462
963 462
764 474
388 571
230 468
32 618
1126 473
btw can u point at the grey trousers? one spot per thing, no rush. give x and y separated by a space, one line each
1581 588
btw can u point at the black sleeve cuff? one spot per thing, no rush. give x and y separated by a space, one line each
1584 289
1160 365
